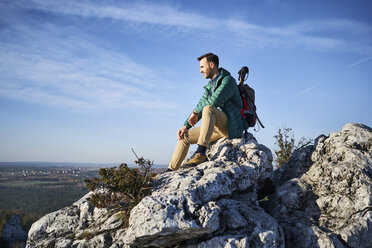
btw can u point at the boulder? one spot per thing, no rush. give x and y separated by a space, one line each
322 198
213 203
79 225
324 193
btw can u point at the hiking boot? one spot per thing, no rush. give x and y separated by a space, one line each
195 160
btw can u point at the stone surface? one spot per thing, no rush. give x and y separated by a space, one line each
323 198
324 194
209 203
215 202
80 225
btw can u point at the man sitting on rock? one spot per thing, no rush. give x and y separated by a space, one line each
219 109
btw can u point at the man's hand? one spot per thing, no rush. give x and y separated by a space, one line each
181 133
193 119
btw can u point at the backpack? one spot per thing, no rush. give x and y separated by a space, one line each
248 97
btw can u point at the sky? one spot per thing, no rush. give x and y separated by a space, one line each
86 81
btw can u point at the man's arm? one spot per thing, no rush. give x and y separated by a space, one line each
193 119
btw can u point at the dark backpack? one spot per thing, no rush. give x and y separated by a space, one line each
248 97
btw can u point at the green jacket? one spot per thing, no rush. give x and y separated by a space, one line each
228 99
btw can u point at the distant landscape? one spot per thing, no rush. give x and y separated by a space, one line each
33 189
65 164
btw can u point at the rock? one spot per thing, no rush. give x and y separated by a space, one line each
62 243
215 202
321 198
80 225
103 240
244 152
13 233
324 194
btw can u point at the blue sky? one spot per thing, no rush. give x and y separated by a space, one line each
85 81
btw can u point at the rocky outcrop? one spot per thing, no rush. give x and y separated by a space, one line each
214 204
324 194
80 225
322 199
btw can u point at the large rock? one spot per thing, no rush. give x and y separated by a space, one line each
324 194
323 198
214 203
79 225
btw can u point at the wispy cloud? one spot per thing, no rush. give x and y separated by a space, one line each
305 91
318 35
359 62
73 72
140 12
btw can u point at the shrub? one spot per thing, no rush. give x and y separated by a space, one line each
121 188
285 145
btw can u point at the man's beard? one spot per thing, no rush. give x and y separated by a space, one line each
209 75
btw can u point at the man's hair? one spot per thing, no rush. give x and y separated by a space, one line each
210 58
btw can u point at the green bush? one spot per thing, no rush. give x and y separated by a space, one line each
121 188
285 145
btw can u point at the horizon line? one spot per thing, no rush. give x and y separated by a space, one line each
94 164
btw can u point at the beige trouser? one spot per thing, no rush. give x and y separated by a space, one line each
213 127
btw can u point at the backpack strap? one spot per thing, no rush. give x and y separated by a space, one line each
259 121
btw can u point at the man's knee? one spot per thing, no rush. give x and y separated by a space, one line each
185 140
208 109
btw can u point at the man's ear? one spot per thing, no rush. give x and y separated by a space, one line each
211 65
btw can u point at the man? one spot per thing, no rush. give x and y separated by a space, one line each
219 109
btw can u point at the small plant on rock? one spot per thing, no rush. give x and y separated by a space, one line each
285 145
121 188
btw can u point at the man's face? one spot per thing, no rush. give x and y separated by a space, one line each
206 68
